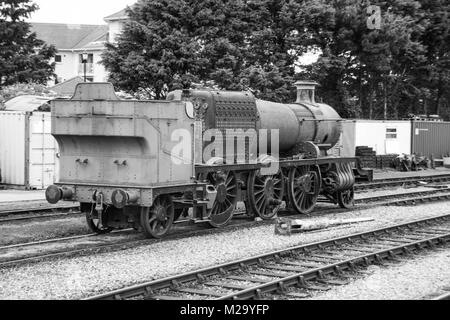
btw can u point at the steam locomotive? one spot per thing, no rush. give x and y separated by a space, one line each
147 164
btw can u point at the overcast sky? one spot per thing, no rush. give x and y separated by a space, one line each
77 11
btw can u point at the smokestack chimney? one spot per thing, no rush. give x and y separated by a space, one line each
306 91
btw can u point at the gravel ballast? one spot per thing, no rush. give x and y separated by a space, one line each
28 231
412 280
82 277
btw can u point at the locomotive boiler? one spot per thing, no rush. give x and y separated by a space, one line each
302 122
117 157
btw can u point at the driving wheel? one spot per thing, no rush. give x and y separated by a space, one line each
265 193
303 189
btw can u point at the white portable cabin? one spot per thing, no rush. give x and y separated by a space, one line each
385 137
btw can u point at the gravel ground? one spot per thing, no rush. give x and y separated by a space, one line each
412 280
29 231
82 277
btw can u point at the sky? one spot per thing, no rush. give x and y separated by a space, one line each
77 11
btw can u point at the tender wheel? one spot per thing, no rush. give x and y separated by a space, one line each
94 222
265 193
346 199
227 189
303 189
158 220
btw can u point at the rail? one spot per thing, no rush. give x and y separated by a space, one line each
296 267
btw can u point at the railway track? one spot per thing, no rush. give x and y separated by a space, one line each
34 215
184 229
396 182
295 272
406 198
33 209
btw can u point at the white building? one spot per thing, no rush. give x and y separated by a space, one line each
115 23
72 41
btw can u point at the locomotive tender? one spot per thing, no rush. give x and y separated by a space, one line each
116 157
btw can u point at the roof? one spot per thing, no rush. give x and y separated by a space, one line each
71 36
67 88
27 103
121 15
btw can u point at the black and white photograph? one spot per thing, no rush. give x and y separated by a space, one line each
224 157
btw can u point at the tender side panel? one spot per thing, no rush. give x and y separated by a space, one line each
121 142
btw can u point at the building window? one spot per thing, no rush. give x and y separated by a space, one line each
58 58
391 133
90 58
89 64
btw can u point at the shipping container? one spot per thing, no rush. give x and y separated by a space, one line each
384 137
431 138
28 151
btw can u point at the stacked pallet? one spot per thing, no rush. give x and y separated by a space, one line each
367 156
386 161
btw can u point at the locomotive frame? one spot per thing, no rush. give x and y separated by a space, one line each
212 194
298 183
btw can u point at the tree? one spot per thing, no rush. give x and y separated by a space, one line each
239 45
399 69
23 57
154 51
276 40
434 75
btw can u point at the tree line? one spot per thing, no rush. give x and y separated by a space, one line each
399 69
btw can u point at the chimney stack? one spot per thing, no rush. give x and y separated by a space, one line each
306 91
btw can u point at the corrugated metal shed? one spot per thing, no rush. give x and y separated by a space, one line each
26 103
431 138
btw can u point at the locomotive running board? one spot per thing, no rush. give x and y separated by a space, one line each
282 163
